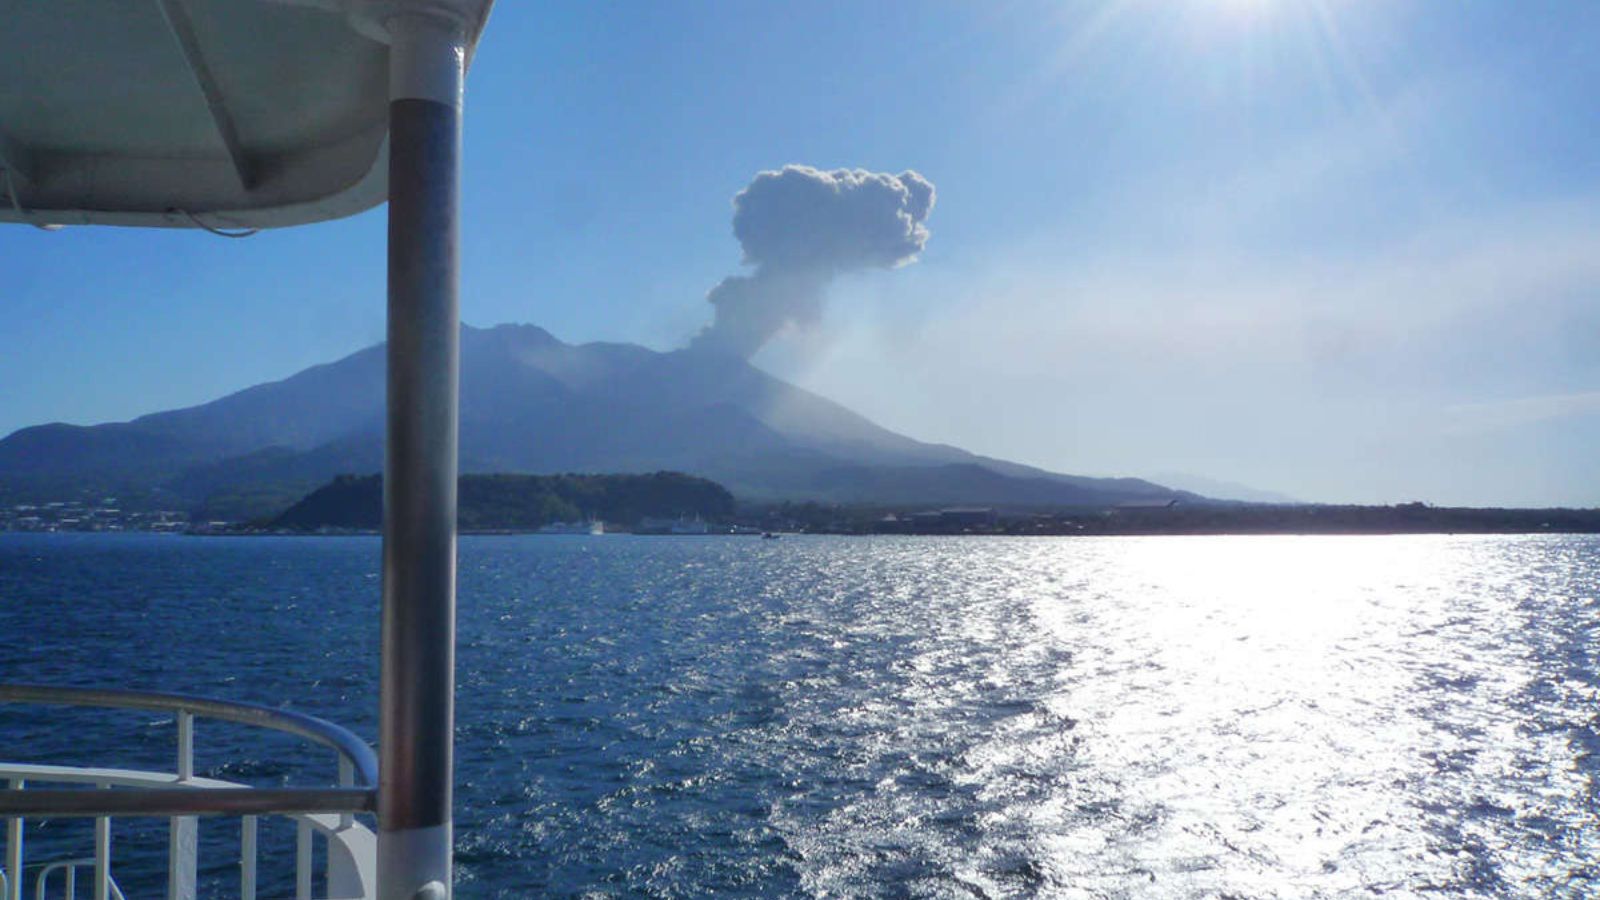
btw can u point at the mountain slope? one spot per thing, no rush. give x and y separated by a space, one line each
533 404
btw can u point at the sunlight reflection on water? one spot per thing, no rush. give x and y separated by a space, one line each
1273 716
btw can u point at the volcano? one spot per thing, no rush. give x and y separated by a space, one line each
531 403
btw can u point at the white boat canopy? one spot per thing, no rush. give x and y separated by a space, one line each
265 113
185 113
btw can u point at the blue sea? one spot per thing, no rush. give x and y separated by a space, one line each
1167 717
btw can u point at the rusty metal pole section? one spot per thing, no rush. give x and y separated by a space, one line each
416 728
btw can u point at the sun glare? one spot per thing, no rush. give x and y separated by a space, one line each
1241 11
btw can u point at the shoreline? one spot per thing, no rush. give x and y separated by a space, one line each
1132 521
1085 533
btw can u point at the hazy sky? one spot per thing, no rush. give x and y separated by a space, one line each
1343 249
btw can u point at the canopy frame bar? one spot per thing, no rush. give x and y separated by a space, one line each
181 25
15 159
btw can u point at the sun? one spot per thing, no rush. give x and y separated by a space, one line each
1249 16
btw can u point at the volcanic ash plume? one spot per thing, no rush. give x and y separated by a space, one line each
800 227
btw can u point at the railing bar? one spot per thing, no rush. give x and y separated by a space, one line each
289 721
102 857
188 795
14 849
186 801
247 858
302 862
70 869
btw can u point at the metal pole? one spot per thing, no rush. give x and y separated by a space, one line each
426 57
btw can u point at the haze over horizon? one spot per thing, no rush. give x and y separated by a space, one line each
1347 250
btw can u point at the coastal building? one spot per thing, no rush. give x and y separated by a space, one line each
956 518
969 516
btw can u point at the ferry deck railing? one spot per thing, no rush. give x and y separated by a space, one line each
181 796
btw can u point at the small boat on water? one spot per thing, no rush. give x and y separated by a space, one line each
589 526
769 536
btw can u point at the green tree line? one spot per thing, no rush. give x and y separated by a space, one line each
522 502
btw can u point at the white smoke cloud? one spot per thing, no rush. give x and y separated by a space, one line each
799 227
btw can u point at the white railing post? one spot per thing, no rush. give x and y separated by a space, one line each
185 745
302 861
347 778
14 850
247 858
341 869
183 843
102 856
43 879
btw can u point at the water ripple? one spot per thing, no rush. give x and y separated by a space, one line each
1123 717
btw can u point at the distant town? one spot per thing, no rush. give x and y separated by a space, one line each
77 515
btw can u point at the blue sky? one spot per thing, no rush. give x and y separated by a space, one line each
1343 249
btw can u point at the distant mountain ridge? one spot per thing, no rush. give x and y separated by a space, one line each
533 404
